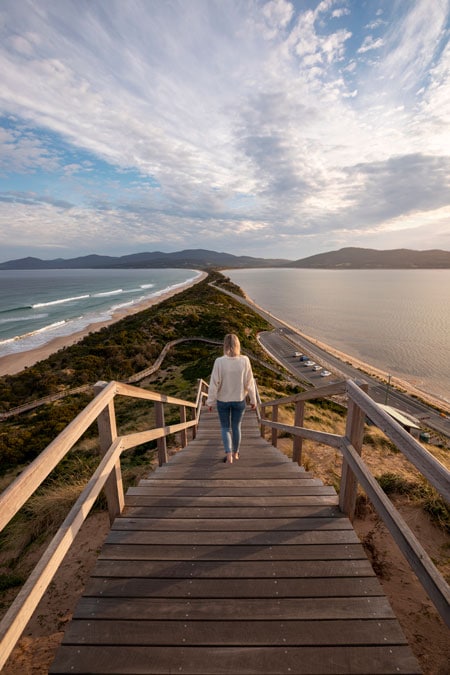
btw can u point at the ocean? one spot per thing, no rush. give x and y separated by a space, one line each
395 320
37 306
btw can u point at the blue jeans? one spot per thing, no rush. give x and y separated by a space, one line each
230 416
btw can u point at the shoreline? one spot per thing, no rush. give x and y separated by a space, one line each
372 371
11 364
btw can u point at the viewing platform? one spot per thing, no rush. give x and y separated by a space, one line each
248 568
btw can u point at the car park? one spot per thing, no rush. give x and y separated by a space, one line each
325 373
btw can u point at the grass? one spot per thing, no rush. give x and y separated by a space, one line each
419 492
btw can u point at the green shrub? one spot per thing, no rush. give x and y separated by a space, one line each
422 493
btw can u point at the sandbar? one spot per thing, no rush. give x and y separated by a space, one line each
12 364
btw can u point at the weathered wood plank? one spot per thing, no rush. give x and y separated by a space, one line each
345 660
217 469
234 588
272 569
243 491
232 538
275 500
240 632
234 512
226 609
227 553
225 524
230 482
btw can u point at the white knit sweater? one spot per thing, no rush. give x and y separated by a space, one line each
231 380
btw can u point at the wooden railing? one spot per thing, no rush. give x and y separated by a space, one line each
107 477
354 470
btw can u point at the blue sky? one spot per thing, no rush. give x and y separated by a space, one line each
265 128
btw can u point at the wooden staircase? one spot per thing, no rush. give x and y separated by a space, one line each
244 568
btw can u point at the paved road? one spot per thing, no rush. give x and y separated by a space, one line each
283 342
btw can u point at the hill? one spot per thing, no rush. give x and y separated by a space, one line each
367 258
345 258
198 258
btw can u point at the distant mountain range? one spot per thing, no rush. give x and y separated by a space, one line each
189 258
368 258
345 258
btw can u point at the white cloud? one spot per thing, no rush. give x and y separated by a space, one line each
338 13
24 152
413 42
245 118
370 44
278 13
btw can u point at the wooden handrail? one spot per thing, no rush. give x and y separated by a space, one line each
354 471
107 477
15 496
334 440
136 392
18 615
429 466
318 392
419 560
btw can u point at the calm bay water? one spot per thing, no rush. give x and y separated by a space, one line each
395 320
38 305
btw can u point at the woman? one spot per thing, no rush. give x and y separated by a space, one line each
231 381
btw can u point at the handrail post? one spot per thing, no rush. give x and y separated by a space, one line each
354 432
274 431
160 424
199 406
183 433
263 426
297 445
107 431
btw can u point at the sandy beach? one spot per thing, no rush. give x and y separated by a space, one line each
15 363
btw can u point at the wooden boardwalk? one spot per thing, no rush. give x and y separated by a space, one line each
243 568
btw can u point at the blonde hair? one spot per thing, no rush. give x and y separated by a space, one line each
231 345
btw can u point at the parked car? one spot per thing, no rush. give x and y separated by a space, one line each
317 367
304 358
309 363
297 353
325 373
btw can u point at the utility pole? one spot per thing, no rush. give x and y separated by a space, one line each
387 389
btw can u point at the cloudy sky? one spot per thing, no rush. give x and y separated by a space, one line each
269 128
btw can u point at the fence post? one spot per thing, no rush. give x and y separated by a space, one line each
200 387
263 426
274 431
183 435
298 442
107 431
354 432
161 442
